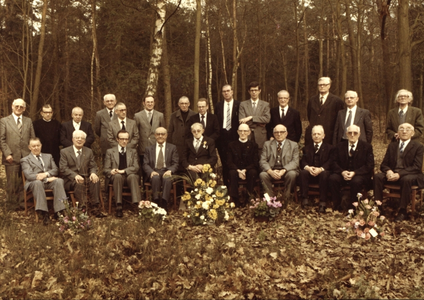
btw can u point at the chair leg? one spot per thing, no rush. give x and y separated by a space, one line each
110 199
413 195
174 187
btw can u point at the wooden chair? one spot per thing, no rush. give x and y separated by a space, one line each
148 191
28 195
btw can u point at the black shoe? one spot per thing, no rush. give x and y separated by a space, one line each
46 219
400 217
118 213
305 203
100 214
321 209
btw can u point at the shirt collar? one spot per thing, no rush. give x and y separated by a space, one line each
245 141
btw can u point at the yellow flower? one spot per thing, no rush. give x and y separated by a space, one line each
219 194
189 203
213 183
212 214
197 214
206 168
216 206
185 214
198 206
227 205
210 170
220 202
198 182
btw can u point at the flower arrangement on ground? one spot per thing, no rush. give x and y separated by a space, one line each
366 221
207 202
267 207
150 211
73 220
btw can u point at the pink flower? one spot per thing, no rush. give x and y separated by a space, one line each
365 201
73 218
382 233
368 206
376 213
359 232
371 223
361 213
367 236
355 204
362 222
378 202
366 230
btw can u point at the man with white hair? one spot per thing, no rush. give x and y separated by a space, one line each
101 122
76 124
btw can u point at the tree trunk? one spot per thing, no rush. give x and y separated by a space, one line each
352 46
235 47
342 49
209 62
360 23
166 79
95 103
404 46
197 52
296 80
305 36
321 44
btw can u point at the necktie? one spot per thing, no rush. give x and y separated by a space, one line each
41 162
159 164
401 147
316 148
283 114
254 107
123 125
228 122
347 124
19 125
352 150
111 114
197 145
203 121
278 146
401 117
150 117
122 150
321 100
79 159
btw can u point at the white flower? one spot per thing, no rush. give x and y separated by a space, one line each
214 196
350 211
205 205
199 203
202 217
188 216
226 216
198 196
223 187
228 198
212 175
358 195
196 189
232 204
356 224
209 190
267 197
153 204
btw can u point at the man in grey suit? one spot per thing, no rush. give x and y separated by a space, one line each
101 122
279 160
15 132
40 172
160 162
121 167
352 115
122 123
79 169
256 114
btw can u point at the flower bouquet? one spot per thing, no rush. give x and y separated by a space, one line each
207 203
265 208
73 220
151 212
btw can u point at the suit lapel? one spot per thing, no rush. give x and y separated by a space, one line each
116 155
13 124
408 148
358 115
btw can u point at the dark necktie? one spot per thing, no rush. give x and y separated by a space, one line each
401 147
19 125
283 114
347 124
41 162
254 107
122 150
321 100
316 148
160 163
203 122
352 150
123 125
278 146
79 159
111 114
401 117
197 145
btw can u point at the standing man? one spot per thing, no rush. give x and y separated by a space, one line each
255 113
76 124
209 121
287 116
353 115
227 112
15 133
101 122
122 123
322 110
160 163
121 167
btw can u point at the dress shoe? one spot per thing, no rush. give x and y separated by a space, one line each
119 213
400 217
46 219
100 214
305 203
321 209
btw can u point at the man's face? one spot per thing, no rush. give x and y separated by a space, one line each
18 108
324 86
317 135
353 134
403 98
283 99
243 132
351 99
202 107
77 115
149 103
184 105
47 113
280 133
197 132
79 141
227 93
161 135
121 111
254 93
123 139
35 147
406 131
109 102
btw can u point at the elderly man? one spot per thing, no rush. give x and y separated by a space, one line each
315 167
242 162
15 133
353 166
122 123
322 110
48 131
209 121
79 169
287 116
279 160
121 167
404 113
255 113
76 124
353 115
160 162
40 172
402 164
101 122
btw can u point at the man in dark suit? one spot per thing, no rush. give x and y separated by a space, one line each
353 166
40 172
48 131
78 169
353 115
227 112
402 164
122 123
15 133
160 163
287 116
322 110
101 122
315 167
76 124
209 121
199 150
404 113
121 167
242 160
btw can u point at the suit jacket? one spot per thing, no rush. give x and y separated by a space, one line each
31 167
101 125
226 136
67 130
260 119
362 119
237 156
170 158
325 115
49 135
413 116
145 130
363 158
412 160
130 126
177 130
68 164
12 142
290 156
212 129
326 156
112 161
291 120
205 155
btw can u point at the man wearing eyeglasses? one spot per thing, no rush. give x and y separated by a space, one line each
404 113
121 168
322 110
279 160
102 120
402 164
353 166
122 123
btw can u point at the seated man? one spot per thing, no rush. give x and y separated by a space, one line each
279 160
40 173
315 167
353 166
121 167
242 160
160 162
402 164
79 169
199 150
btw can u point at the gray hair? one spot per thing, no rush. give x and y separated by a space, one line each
79 132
